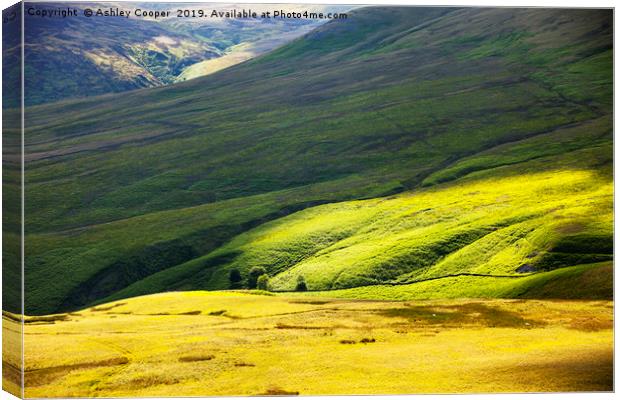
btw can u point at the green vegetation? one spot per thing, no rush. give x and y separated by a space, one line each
262 283
235 278
301 284
496 227
253 276
374 150
594 281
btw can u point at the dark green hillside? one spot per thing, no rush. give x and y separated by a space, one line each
386 101
11 169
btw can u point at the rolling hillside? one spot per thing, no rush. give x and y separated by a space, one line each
398 145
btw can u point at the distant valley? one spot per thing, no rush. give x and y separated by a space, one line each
78 57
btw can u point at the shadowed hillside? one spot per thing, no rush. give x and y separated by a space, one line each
480 139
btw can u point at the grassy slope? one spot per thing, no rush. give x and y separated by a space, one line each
487 226
11 169
381 103
590 281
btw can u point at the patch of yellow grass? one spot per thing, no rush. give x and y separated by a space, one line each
152 346
11 354
237 54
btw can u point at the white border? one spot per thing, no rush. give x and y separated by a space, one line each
484 3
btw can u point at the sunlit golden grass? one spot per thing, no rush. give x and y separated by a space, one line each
11 353
223 343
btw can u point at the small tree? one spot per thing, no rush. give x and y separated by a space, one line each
301 284
234 277
255 272
263 282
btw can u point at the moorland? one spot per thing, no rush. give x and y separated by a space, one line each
415 183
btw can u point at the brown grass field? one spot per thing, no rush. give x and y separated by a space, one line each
231 343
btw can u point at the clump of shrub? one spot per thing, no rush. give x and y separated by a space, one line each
263 282
301 284
255 273
235 278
